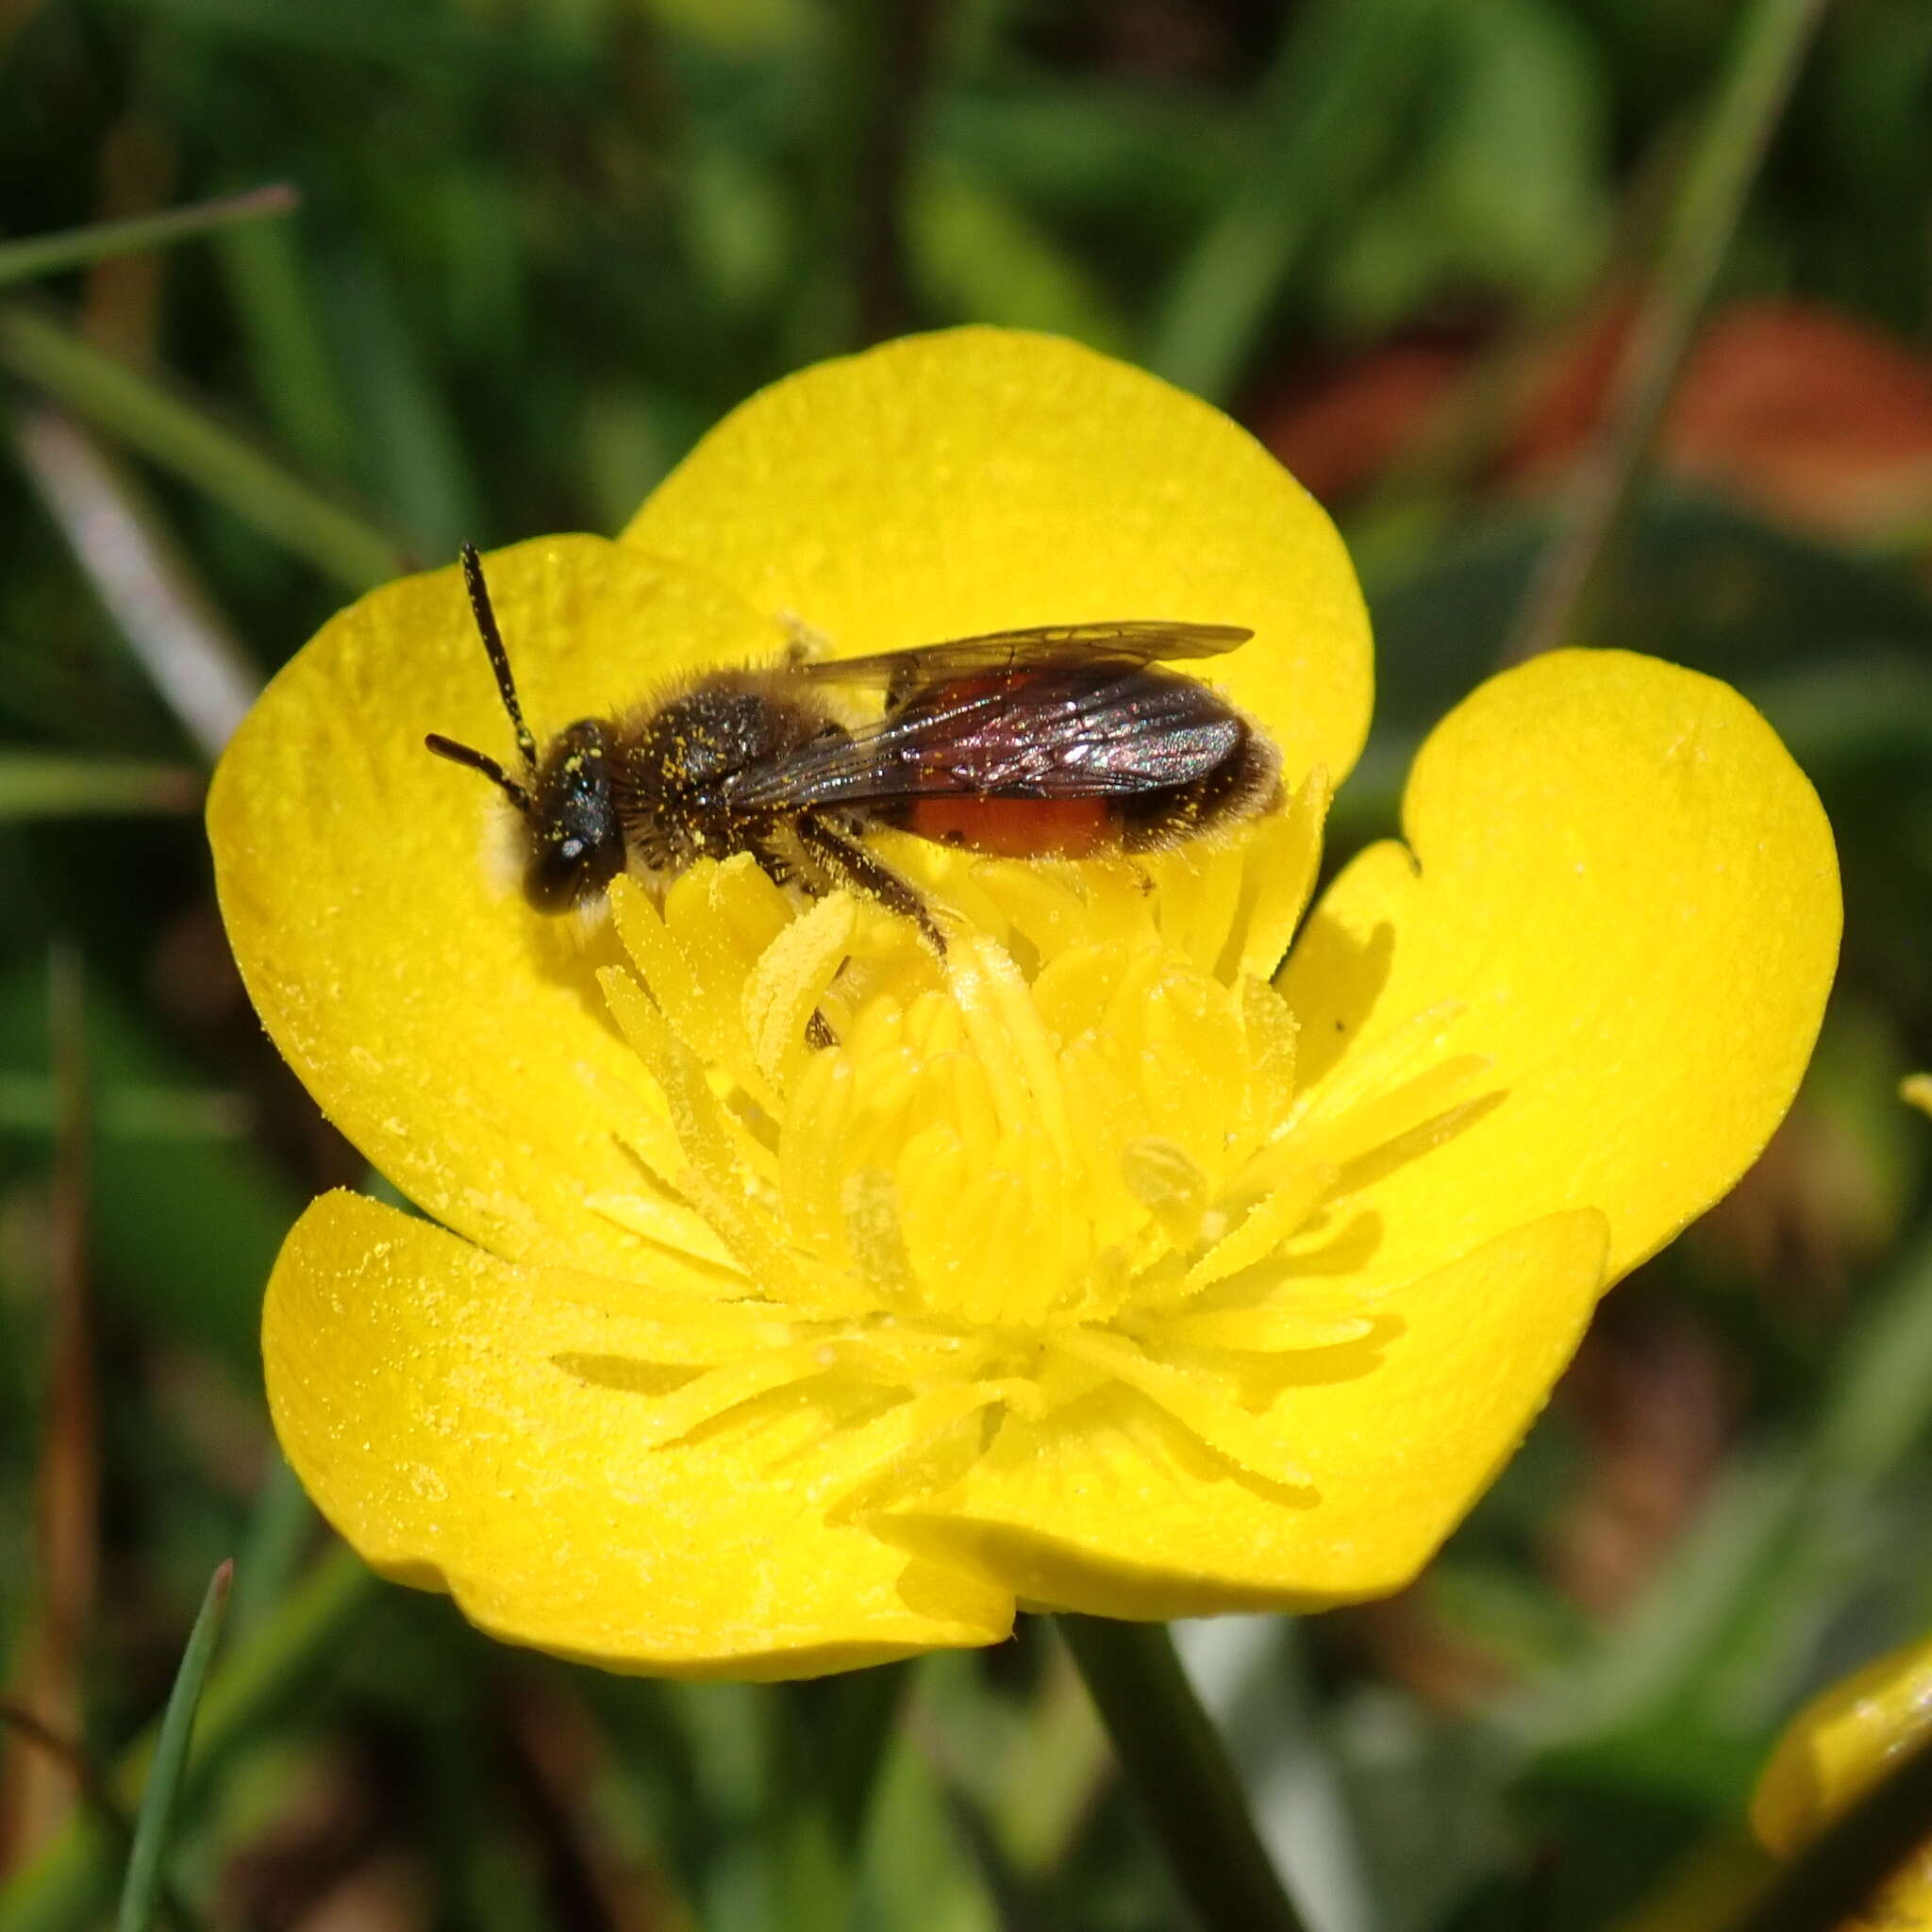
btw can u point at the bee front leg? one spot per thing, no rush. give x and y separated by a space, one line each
852 865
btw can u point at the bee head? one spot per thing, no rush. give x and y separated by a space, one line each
575 840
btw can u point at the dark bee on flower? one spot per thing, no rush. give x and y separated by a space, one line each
1064 741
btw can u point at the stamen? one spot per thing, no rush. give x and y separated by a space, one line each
1191 1063
717 1182
1042 902
1283 859
1349 1133
902 1454
693 1005
1403 1052
1205 1413
1267 1225
670 1418
874 1238
1266 1330
989 1222
1167 1183
1200 886
1119 918
784 988
812 1147
668 1222
1107 1116
1004 1027
1272 1036
933 1025
932 1178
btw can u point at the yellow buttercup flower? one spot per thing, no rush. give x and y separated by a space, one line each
1834 1750
1106 1264
1915 1089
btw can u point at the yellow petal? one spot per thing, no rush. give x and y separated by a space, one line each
982 479
1834 1750
473 1427
370 890
1108 1508
1626 894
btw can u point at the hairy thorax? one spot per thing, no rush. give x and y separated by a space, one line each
671 782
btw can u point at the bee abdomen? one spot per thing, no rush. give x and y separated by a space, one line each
1244 784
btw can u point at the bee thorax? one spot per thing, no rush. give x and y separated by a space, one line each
673 782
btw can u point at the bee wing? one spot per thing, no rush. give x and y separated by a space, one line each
1083 731
1043 647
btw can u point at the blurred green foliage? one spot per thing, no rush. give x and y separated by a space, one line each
540 245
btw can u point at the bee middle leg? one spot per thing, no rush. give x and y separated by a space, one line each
852 865
783 871
775 865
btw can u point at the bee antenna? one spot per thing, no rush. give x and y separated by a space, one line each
499 657
479 761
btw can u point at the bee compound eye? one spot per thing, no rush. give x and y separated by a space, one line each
554 878
565 872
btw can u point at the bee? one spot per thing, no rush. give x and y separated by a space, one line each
1064 741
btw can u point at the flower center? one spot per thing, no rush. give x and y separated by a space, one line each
1070 1155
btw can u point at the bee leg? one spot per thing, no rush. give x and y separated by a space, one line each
782 871
775 866
853 865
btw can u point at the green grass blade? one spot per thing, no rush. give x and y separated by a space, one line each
129 1111
1327 115
403 408
68 1886
1773 1534
297 378
52 785
1772 40
1175 1763
45 254
141 1890
173 433
281 1525
828 1741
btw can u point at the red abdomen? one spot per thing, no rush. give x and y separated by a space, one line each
1018 828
